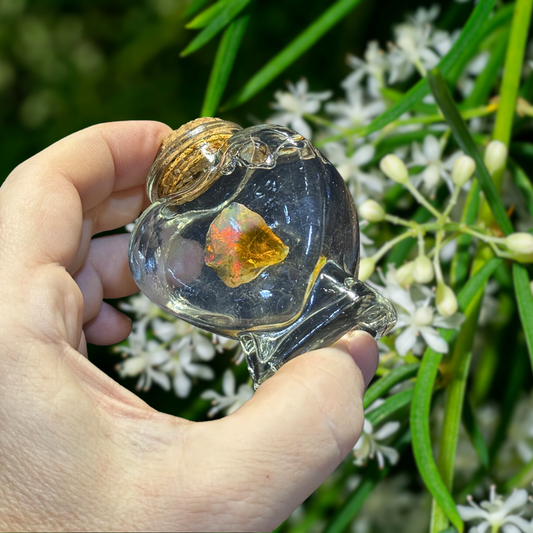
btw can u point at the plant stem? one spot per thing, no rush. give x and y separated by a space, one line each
511 76
421 200
455 391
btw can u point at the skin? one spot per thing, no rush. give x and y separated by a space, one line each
80 452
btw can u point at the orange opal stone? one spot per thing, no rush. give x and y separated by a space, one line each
239 245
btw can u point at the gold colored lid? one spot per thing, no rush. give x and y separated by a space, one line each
185 157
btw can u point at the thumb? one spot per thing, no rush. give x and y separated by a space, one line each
295 431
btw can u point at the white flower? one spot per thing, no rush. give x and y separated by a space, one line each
294 104
368 446
361 184
180 330
144 309
416 316
145 358
430 157
354 112
231 399
184 364
412 50
374 67
497 513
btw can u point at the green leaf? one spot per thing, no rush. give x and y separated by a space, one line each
230 11
476 282
224 60
390 406
293 51
466 143
208 15
194 7
467 41
420 408
475 435
383 385
524 299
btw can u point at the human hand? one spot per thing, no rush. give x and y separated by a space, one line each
80 452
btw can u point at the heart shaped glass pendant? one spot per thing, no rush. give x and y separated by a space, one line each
253 234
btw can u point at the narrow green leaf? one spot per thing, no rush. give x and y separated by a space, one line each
466 143
475 435
524 299
383 385
293 51
230 11
390 406
194 7
476 282
467 41
420 408
208 15
373 475
224 60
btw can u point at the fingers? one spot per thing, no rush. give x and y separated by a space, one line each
282 444
108 327
42 202
105 274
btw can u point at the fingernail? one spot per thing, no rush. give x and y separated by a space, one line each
364 351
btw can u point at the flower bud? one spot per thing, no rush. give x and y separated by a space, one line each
446 300
495 156
423 269
393 167
423 316
370 210
463 169
521 243
531 287
404 275
366 268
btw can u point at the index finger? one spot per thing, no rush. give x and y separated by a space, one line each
43 200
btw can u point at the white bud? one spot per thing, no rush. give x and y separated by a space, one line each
495 156
446 300
423 269
521 243
132 366
393 167
404 275
370 210
463 168
531 287
423 316
366 268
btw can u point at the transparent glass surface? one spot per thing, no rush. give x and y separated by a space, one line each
267 254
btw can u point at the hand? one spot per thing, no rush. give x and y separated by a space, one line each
80 452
